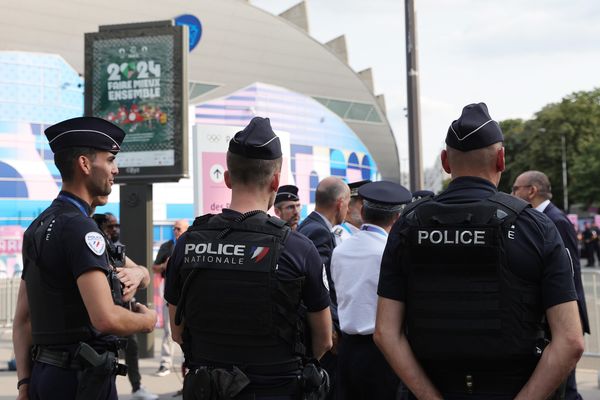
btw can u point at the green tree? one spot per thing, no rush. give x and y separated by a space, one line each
537 144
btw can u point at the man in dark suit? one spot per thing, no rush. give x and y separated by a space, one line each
534 187
331 205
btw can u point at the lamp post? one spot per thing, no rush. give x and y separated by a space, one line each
563 144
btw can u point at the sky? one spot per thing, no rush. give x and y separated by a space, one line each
514 55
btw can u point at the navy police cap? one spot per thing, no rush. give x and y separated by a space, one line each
419 194
385 195
257 140
287 193
85 132
474 129
355 185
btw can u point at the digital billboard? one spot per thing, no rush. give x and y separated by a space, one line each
136 78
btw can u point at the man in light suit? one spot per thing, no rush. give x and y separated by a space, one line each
331 205
534 187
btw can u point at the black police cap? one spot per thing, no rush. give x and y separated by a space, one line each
257 140
287 193
474 129
422 193
385 195
355 185
85 132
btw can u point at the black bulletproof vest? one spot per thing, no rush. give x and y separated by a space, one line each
235 308
464 307
58 315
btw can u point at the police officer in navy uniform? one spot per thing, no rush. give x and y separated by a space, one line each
287 205
68 306
363 373
236 282
468 280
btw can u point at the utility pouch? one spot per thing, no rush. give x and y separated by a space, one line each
229 383
197 385
98 368
315 381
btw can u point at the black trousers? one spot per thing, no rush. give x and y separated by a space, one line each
49 383
132 361
363 372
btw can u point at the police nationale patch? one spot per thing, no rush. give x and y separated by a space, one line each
95 241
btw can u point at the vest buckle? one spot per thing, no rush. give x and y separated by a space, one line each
469 383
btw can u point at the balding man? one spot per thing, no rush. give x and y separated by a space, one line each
159 267
331 205
468 279
534 187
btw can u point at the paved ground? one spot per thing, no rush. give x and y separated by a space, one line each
166 387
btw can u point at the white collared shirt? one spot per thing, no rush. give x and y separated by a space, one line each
355 268
542 206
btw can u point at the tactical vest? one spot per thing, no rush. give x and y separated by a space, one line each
236 310
465 310
58 315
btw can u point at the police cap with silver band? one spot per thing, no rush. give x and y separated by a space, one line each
474 129
385 195
257 140
355 185
287 193
85 132
419 194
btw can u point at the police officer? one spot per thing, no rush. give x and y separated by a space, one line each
353 220
363 373
287 205
467 279
236 281
67 302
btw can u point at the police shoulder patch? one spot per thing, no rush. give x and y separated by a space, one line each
95 241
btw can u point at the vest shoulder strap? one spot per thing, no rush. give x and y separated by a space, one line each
513 203
513 207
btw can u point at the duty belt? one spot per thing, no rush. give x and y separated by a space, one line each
252 369
57 358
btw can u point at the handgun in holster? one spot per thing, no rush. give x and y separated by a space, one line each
97 368
315 381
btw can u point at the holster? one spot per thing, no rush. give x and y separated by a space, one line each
206 383
315 381
98 368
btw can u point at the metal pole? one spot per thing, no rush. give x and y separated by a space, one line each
412 80
136 233
564 172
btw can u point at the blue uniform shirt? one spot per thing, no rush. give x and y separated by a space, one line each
537 253
73 246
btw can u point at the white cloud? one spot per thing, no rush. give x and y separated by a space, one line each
516 56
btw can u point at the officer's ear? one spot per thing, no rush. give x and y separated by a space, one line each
84 164
445 163
275 181
227 179
500 161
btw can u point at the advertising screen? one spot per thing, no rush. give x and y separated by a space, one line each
135 78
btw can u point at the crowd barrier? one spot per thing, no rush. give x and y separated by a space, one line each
8 300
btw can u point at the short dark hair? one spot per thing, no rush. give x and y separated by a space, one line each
65 160
251 171
378 216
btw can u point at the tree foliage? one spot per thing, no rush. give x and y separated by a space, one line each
538 144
